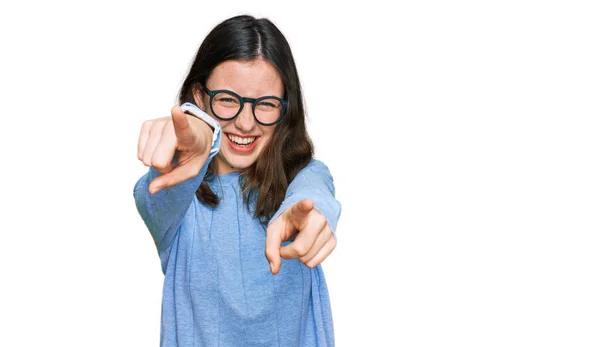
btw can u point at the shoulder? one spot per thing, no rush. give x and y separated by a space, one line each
316 174
316 166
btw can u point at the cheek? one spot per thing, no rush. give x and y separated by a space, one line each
223 124
268 131
267 135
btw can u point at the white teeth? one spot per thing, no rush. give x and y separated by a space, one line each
240 140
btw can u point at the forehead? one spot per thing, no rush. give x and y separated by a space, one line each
251 78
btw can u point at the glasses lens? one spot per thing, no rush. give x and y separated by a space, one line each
268 110
225 105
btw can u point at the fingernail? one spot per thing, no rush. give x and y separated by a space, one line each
271 265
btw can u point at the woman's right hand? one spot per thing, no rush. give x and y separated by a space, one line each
181 136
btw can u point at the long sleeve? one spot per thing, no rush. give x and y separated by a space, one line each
313 182
163 211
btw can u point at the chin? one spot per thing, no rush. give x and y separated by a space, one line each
239 163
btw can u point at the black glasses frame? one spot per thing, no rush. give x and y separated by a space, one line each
244 100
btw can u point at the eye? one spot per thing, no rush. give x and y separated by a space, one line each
224 99
227 99
266 104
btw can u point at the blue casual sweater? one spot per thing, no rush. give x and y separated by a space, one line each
218 288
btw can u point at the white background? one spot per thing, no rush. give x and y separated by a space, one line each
463 138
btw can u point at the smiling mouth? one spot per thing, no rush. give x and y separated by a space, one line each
242 141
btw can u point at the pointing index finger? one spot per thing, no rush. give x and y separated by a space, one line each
300 211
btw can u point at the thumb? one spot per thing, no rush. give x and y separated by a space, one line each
273 243
183 131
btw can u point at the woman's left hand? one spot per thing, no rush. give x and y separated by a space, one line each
314 238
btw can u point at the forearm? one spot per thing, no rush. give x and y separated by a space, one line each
163 211
314 182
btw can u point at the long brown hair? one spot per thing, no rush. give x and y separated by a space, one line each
290 149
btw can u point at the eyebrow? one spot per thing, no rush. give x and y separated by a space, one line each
233 91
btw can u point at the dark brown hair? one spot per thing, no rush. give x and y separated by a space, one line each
290 148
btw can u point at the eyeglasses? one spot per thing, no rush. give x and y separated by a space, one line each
226 105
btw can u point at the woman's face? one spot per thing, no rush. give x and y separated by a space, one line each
243 138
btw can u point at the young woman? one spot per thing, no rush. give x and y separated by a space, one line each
233 190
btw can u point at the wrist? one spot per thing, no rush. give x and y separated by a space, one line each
193 110
212 126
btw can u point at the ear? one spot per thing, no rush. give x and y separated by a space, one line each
199 97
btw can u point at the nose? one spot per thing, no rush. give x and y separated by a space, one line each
245 120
